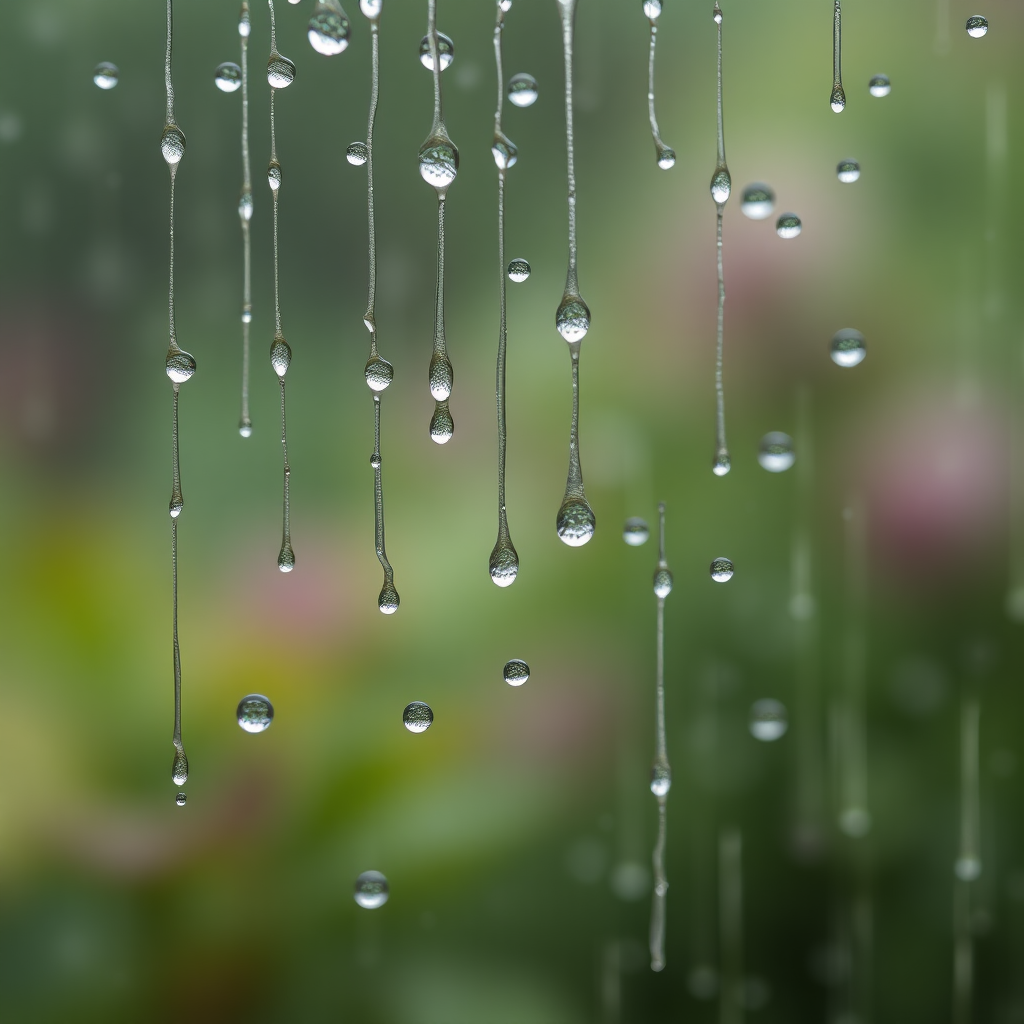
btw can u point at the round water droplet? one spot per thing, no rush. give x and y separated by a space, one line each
179 770
179 365
357 154
379 373
445 51
572 318
977 26
515 672
245 206
375 462
722 464
848 348
575 522
518 270
758 201
417 716
388 599
441 377
662 583
105 75
255 713
286 558
847 171
505 5
439 161
280 71
721 570
328 28
442 426
371 890
228 77
180 799
274 175
838 99
245 428
504 151
776 452
247 314
879 85
371 8
661 778
721 185
768 720
652 9
522 90
665 157
280 356
172 145
504 564
788 226
635 531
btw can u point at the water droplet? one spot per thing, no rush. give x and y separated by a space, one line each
244 24
879 85
661 778
504 563
245 428
375 461
441 377
665 156
855 822
847 171
572 318
758 201
328 28
371 8
371 890
439 161
516 672
388 599
286 558
717 14
247 314
442 426
180 365
180 799
635 531
379 373
967 868
788 226
838 99
652 9
721 185
417 716
505 5
245 206
105 75
280 71
172 145
768 720
228 77
176 505
848 348
504 151
179 770
357 154
662 583
255 713
280 356
722 464
518 270
721 570
445 51
776 452
575 522
522 90
977 26
274 176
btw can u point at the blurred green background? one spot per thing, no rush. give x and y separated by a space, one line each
516 833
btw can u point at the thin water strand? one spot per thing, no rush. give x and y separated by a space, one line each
665 156
730 925
245 209
838 98
968 862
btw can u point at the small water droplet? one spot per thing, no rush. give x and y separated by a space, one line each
722 464
388 599
721 570
879 85
572 318
228 77
379 373
180 365
180 799
768 720
788 226
717 14
245 206
176 506
665 156
417 716
504 563
721 185
439 161
371 890
776 452
848 348
575 522
652 9
758 201
105 75
286 558
172 145
661 778
255 713
522 90
847 171
838 99
280 356
977 26
518 270
967 869
357 154
445 51
635 531
662 583
247 314
442 426
280 71
504 151
245 428
375 461
274 176
179 770
328 28
244 24
371 8
515 672
441 377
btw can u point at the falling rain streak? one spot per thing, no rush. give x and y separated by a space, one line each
575 520
245 216
838 98
664 155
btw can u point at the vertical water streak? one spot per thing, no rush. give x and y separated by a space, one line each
838 98
968 863
575 521
245 210
963 953
665 156
730 925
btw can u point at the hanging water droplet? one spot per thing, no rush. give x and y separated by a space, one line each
255 713
245 428
244 24
575 522
379 373
518 270
442 426
179 770
721 185
722 464
721 570
879 85
847 171
371 890
180 365
445 51
388 599
357 154
105 75
439 161
505 5
776 452
375 461
522 90
441 377
328 28
503 564
371 8
758 201
504 151
247 314
572 318
280 356
652 9
274 176
245 206
176 505
515 672
286 558
977 26
417 716
768 720
661 778
635 531
848 348
228 77
172 145
665 156
662 583
788 226
838 99
180 799
717 14
280 71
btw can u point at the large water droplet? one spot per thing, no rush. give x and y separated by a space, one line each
635 531
371 890
977 26
255 713
439 161
179 770
280 71
776 452
665 156
575 522
245 428
445 51
572 318
518 270
768 720
721 570
721 185
879 85
286 558
758 201
848 348
442 426
280 356
504 151
515 672
441 377
838 99
180 365
180 799
228 77
357 154
371 8
661 778
172 145
245 206
388 599
522 90
105 75
328 28
788 226
379 373
847 171
652 9
274 176
417 716
662 583
722 464
504 563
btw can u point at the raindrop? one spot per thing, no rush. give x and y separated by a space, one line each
504 151
371 8
228 77
516 672
245 206
848 348
172 145
379 373
255 713
371 890
522 90
758 201
721 570
788 226
518 271
180 365
847 171
879 86
445 51
417 716
768 720
280 71
105 75
635 531
328 28
572 319
180 799
967 869
661 778
776 452
662 582
977 26
357 154
439 161
280 356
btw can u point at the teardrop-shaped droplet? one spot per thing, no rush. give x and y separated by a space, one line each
721 185
768 720
357 154
439 161
228 77
504 151
652 9
848 348
172 145
328 28
245 206
244 23
522 90
417 716
788 226
717 14
504 563
445 51
371 8
661 778
635 531
371 890
662 583
245 428
879 86
518 270
572 318
105 75
847 171
575 522
280 71
838 99
441 376
388 599
776 452
274 176
180 799
280 356
516 672
255 713
379 373
758 201
442 426
179 770
665 156
286 558
247 314
179 365
722 464
977 26
721 570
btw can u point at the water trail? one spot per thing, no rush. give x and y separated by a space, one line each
661 771
730 925
280 74
180 367
575 521
504 560
439 163
721 188
838 98
968 863
664 155
963 953
245 216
